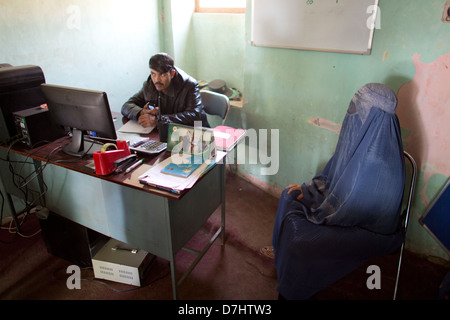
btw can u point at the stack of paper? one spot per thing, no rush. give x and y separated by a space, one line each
156 178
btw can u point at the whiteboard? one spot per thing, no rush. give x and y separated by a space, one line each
345 26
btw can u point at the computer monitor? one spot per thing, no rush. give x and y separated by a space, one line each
82 111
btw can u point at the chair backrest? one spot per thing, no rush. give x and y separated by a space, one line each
409 191
215 104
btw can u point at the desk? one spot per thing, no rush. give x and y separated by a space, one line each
119 206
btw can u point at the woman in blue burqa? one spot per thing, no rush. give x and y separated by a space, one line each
350 211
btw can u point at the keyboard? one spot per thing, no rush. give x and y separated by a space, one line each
148 146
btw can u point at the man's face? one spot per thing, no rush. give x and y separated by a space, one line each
162 80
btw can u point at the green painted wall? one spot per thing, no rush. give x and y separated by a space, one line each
288 89
100 45
108 48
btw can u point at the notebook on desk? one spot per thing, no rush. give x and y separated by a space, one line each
132 126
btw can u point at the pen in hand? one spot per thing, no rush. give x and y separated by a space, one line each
134 165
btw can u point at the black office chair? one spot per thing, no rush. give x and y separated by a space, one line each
216 104
409 192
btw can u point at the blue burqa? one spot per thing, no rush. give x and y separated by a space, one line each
350 211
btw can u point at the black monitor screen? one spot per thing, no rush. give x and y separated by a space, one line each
82 111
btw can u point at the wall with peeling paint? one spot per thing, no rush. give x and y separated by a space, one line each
306 94
424 109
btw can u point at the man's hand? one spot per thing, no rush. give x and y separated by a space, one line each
147 117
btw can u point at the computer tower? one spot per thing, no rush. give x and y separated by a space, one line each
67 239
34 125
20 89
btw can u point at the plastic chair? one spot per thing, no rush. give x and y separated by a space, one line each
218 104
215 104
405 213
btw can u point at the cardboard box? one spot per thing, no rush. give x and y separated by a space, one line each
119 262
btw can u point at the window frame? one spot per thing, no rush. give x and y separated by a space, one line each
216 10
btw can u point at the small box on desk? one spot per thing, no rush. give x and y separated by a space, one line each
119 262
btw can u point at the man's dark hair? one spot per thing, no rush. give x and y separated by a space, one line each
161 62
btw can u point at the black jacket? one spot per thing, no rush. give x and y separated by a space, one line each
187 106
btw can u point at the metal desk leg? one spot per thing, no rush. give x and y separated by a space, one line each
223 199
174 278
199 253
171 253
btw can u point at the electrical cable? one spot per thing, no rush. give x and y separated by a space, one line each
21 182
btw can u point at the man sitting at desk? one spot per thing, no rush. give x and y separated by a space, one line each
170 89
